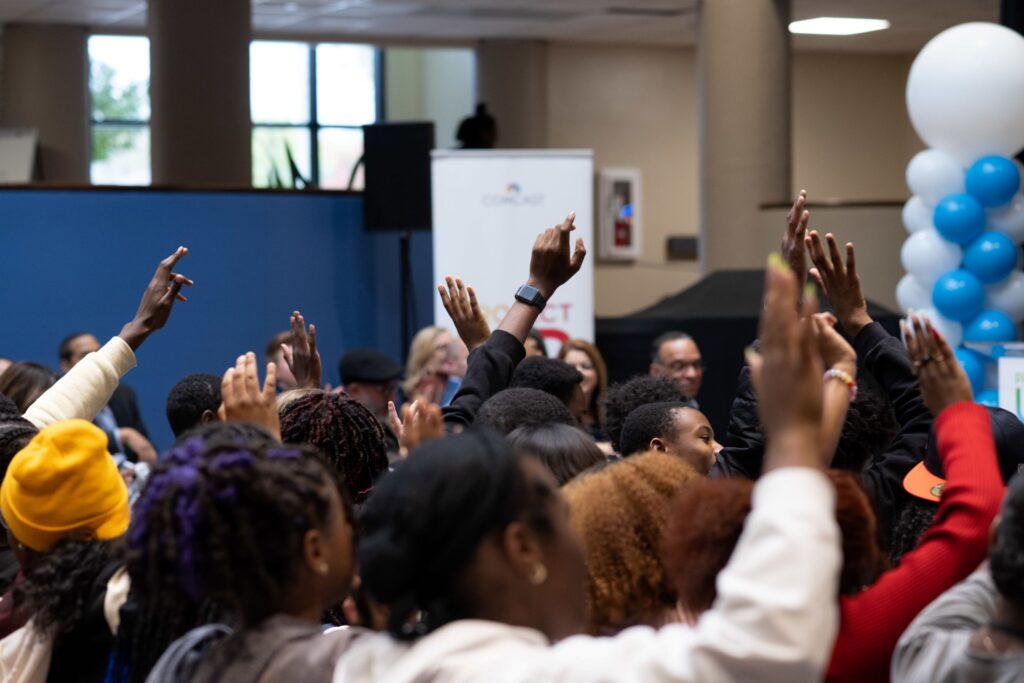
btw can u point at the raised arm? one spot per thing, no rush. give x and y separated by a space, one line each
958 538
490 367
87 387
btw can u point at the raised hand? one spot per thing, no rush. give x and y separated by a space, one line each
839 281
835 351
421 422
943 382
790 397
244 401
793 249
301 355
551 265
464 310
157 301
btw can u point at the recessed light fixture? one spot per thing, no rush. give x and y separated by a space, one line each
837 26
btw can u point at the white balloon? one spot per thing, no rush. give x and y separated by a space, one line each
917 215
912 294
1008 296
932 174
926 256
965 92
1009 219
951 330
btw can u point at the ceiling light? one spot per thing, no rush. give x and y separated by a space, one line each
837 26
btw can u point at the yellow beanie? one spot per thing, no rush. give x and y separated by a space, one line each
64 482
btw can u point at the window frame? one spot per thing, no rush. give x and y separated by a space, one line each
313 125
115 123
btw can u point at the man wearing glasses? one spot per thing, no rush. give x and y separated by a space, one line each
675 355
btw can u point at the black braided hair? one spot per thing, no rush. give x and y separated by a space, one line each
344 432
15 433
58 583
217 536
425 520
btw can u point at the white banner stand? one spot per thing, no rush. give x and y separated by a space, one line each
488 208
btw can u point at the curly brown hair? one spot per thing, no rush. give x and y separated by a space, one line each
706 520
620 513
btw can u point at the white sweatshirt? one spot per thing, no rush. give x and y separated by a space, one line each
86 388
775 619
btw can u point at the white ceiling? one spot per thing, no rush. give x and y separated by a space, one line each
660 22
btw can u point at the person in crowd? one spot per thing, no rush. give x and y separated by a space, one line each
436 365
250 533
15 433
620 513
4 364
370 377
565 451
193 401
120 418
535 344
513 408
625 397
24 382
675 355
554 377
346 433
65 506
472 550
880 355
875 612
974 631
926 482
585 357
479 131
674 428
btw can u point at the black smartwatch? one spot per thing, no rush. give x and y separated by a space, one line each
531 295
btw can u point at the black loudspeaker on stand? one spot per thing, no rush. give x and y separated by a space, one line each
396 159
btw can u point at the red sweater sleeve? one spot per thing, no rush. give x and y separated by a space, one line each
872 621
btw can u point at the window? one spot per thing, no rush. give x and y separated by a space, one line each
308 104
119 110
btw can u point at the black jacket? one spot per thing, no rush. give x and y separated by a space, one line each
884 357
488 371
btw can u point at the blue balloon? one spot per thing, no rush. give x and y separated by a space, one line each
960 218
990 326
958 295
973 364
993 180
991 257
989 397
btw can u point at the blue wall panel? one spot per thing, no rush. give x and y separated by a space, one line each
78 260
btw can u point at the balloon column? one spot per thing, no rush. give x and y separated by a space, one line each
965 96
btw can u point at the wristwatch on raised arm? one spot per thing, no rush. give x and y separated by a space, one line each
531 296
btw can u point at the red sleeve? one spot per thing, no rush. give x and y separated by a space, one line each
872 621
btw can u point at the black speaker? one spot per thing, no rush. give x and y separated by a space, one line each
396 158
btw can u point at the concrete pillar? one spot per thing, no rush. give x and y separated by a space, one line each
199 87
512 78
744 86
45 85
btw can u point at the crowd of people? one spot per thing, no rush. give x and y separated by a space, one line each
491 513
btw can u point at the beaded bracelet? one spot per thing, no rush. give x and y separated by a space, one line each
845 378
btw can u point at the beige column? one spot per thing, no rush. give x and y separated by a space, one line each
45 85
199 87
512 78
744 94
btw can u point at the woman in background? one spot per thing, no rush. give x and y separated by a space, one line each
585 357
436 366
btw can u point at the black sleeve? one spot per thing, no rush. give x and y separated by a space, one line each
884 357
488 371
125 406
743 449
